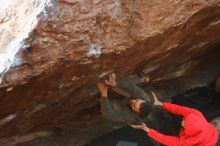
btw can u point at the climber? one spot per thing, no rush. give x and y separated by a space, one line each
138 102
195 129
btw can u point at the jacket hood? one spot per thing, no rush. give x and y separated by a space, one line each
193 125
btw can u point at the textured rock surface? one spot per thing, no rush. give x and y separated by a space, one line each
73 134
83 40
18 19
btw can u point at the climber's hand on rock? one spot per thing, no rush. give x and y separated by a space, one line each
102 88
111 81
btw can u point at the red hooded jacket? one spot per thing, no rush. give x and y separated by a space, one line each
196 132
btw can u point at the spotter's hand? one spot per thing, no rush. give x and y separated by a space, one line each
142 126
156 101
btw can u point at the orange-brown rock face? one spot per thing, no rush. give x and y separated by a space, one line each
83 40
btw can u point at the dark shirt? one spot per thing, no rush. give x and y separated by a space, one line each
124 113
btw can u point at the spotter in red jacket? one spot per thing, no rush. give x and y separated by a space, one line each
196 131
